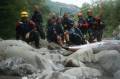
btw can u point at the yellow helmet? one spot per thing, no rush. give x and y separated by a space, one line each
24 14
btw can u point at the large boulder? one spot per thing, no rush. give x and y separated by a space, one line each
103 53
59 75
117 75
83 55
16 66
17 48
73 63
109 60
84 73
43 51
108 45
50 75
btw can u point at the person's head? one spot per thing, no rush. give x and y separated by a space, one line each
80 14
98 19
24 15
36 8
65 15
89 13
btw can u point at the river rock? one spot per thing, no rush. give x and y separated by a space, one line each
50 75
17 48
16 66
84 73
83 55
117 75
109 60
108 45
73 63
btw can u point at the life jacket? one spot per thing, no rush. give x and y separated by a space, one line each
82 24
67 23
25 26
91 21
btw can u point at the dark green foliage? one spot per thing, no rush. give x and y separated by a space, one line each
111 14
10 12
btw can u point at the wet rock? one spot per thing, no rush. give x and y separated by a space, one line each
24 69
103 53
17 48
16 66
56 58
53 46
58 75
100 46
44 64
43 51
117 75
44 43
73 63
50 75
108 45
84 73
83 55
109 60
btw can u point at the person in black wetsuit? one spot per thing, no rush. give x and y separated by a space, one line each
91 22
55 30
38 19
67 24
82 24
76 36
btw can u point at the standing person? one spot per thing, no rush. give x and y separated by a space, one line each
26 29
91 22
37 18
99 27
82 24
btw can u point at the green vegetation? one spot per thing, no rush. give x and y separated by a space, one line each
111 14
10 11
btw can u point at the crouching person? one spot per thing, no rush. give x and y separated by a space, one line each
76 36
26 30
55 31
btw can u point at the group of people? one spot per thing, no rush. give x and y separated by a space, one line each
61 30
64 30
30 29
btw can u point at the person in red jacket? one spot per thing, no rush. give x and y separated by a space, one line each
82 24
26 29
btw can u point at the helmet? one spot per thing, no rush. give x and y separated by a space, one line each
24 14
